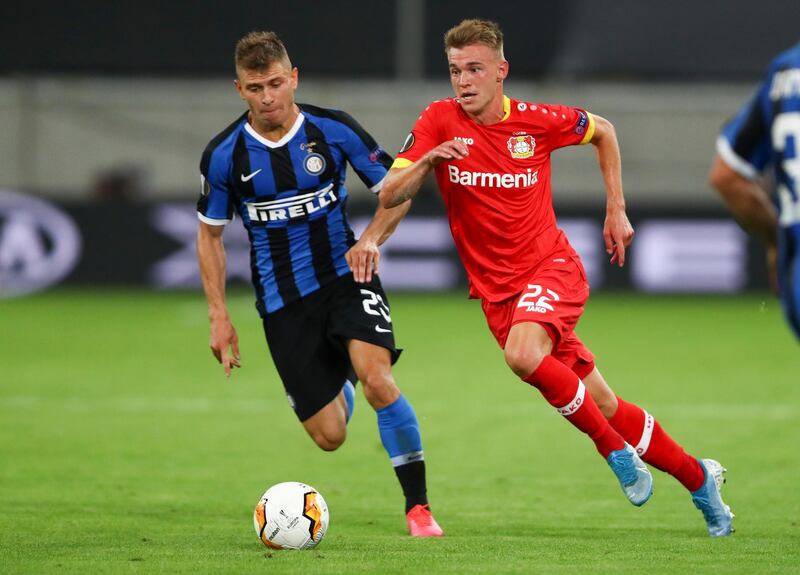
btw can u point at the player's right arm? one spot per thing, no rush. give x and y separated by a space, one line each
215 210
224 342
750 205
748 201
405 178
743 151
422 151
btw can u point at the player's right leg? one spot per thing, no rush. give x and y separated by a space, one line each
315 373
703 479
527 352
328 426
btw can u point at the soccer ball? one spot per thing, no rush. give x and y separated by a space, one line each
291 515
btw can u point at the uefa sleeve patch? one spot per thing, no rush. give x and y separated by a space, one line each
375 154
583 121
408 143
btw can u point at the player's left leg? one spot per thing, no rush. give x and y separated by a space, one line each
399 431
644 433
702 478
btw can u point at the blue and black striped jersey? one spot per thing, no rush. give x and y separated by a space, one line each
291 197
766 133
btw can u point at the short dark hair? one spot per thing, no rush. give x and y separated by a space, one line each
259 50
475 31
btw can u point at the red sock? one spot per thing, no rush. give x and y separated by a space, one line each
563 390
655 446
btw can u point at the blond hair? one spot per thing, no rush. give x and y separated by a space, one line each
259 50
475 31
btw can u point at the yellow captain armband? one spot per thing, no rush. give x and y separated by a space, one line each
401 163
589 130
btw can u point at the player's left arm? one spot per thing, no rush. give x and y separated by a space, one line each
617 230
371 164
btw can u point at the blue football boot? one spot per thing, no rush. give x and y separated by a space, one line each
707 499
633 475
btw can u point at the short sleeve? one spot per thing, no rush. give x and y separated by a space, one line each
568 126
422 138
744 143
215 206
369 161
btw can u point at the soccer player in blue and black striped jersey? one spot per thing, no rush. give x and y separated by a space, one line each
281 168
765 134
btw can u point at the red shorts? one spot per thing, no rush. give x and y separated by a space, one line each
554 298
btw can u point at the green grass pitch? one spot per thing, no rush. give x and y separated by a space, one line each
123 449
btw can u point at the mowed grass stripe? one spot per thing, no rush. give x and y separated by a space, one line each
123 449
729 411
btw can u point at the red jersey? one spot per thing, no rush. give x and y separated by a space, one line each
498 199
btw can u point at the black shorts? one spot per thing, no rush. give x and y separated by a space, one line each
308 339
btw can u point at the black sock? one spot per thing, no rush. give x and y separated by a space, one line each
412 480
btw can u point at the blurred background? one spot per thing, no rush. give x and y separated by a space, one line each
105 109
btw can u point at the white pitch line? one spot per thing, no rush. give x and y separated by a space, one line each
136 404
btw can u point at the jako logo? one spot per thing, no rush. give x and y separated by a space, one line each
39 244
492 179
467 141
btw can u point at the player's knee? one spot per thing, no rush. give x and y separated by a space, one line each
329 439
523 360
379 388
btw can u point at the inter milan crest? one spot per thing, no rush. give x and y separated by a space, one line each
314 164
521 147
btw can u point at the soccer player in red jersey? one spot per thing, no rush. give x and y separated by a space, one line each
491 157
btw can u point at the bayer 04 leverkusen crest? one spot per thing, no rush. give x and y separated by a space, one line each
521 147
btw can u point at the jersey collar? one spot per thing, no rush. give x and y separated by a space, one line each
283 141
506 108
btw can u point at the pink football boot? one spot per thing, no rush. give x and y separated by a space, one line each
421 522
